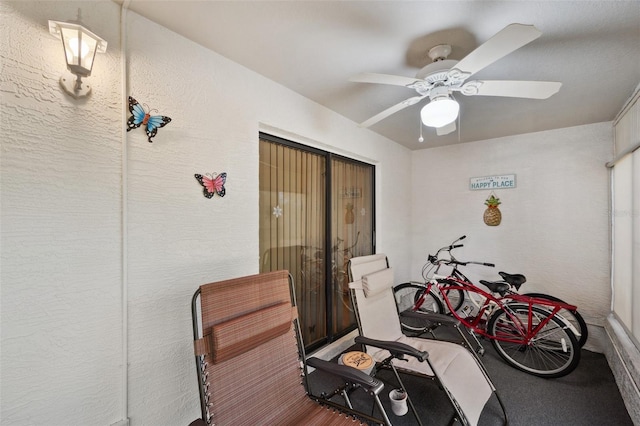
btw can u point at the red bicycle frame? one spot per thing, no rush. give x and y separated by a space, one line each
477 323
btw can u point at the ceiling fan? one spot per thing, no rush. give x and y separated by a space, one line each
438 80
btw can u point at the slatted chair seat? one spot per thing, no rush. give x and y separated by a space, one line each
248 357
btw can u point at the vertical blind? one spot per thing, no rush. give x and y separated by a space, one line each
292 227
351 210
316 212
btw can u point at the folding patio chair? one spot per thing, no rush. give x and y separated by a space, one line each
452 366
250 359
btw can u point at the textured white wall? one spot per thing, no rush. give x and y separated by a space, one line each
61 245
61 212
555 223
177 238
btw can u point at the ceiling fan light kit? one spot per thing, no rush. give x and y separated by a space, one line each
441 111
443 76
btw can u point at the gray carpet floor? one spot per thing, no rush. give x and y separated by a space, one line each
587 396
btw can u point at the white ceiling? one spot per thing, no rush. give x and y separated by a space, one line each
313 47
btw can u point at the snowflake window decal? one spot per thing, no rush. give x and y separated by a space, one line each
277 211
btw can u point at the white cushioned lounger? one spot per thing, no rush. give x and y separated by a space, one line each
455 367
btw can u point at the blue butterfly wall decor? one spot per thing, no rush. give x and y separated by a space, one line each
140 117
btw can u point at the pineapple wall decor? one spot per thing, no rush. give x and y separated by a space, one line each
492 215
349 216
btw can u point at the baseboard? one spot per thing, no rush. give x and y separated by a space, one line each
624 360
124 422
598 339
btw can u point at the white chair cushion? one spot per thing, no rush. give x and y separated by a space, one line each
376 282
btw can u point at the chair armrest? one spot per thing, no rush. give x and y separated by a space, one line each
431 316
349 373
396 348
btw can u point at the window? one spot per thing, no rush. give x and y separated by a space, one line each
626 219
316 212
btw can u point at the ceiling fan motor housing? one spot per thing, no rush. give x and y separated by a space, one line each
438 74
439 52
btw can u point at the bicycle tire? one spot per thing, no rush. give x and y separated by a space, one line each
554 351
573 317
406 294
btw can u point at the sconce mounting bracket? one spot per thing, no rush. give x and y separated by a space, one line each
73 86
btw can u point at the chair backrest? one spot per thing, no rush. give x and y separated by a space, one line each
371 284
252 370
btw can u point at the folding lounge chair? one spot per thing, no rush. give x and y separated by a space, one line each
250 358
453 366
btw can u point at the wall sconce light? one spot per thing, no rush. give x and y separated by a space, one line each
80 47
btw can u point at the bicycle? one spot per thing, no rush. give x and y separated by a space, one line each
313 270
503 288
339 276
526 332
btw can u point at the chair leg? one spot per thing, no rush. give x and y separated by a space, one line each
382 410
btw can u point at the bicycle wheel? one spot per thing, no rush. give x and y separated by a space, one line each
406 295
456 298
553 351
341 288
573 317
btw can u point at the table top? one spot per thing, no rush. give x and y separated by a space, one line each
359 360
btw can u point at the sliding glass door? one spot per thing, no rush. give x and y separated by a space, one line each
316 212
351 232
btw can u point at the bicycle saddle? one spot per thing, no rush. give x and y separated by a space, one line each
515 280
499 287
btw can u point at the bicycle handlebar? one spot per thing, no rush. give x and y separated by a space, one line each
433 259
491 265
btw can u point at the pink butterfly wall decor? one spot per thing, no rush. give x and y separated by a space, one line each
212 184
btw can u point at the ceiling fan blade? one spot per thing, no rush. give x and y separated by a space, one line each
446 129
392 110
510 38
395 80
516 89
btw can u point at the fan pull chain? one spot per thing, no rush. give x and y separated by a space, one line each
459 119
420 139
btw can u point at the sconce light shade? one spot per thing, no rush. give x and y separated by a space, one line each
440 112
80 48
